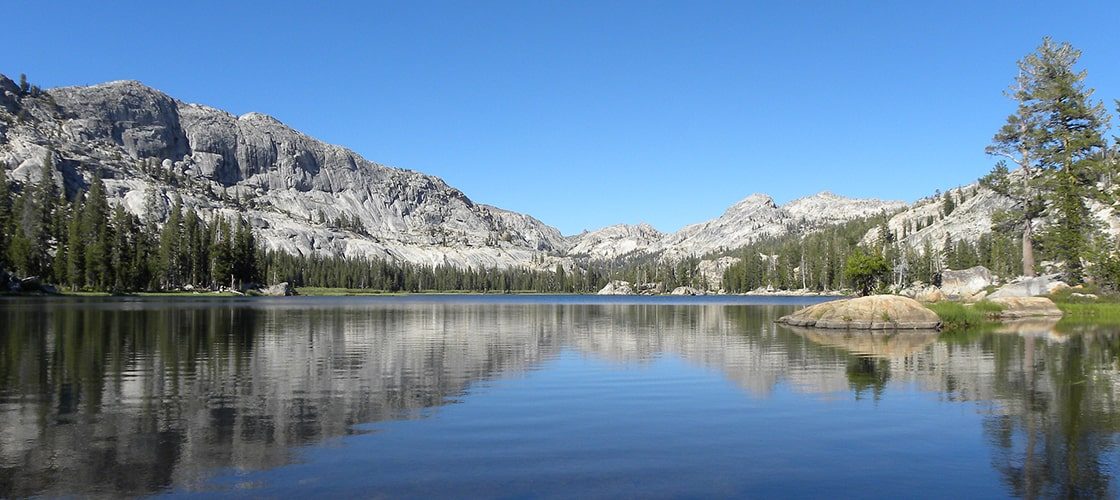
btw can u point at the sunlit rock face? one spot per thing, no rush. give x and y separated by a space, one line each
753 218
292 187
925 223
614 241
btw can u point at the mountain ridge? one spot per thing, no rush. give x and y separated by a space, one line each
305 196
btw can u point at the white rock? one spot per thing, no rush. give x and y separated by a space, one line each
617 287
965 282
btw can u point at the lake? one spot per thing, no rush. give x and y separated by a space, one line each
541 396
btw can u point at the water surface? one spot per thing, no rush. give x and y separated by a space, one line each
483 396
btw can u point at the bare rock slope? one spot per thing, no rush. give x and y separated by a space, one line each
304 196
749 220
300 194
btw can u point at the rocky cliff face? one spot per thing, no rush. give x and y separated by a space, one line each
751 219
293 188
925 222
304 196
615 241
827 208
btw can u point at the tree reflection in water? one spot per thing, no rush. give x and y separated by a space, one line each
133 397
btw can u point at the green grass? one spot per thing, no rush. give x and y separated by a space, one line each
956 316
1090 313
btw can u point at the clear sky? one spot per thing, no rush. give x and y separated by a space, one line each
586 114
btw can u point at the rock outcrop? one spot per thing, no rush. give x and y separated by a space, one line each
924 293
924 224
875 312
301 195
1026 307
686 290
615 241
711 272
965 283
751 219
758 216
1029 287
617 287
278 290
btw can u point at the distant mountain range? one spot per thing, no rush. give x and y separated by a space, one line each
305 196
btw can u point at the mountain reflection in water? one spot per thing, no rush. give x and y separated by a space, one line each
141 396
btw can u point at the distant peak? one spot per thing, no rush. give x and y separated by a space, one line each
255 116
755 199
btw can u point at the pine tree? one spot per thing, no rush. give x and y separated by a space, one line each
245 265
170 247
123 253
948 204
222 261
75 234
1055 137
96 236
6 227
31 240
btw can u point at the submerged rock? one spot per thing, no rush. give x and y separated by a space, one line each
875 312
1027 307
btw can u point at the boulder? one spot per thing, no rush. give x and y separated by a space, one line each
965 282
875 312
1027 307
617 287
278 290
686 290
931 294
30 285
1030 287
976 297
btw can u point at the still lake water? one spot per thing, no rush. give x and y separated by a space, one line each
537 396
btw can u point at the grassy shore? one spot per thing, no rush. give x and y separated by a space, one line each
148 294
956 316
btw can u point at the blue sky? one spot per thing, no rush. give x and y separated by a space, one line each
585 114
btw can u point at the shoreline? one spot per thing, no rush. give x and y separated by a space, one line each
343 292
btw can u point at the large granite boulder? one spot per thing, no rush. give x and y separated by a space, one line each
1027 307
923 293
278 290
965 282
875 312
686 290
1030 287
617 287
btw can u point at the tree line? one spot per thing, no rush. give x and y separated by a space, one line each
81 243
